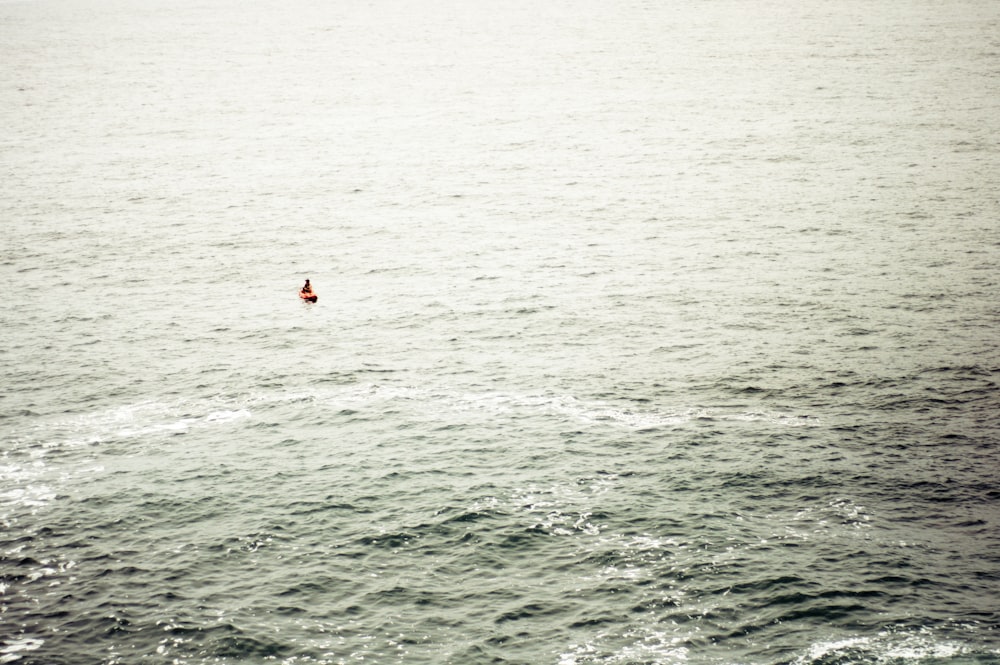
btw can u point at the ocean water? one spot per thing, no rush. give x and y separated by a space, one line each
647 332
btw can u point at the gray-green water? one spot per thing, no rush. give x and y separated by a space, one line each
647 333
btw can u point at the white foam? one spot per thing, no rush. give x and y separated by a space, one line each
587 412
14 650
889 646
227 416
654 646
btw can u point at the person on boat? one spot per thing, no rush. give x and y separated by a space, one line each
307 289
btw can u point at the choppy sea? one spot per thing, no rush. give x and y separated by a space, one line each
648 332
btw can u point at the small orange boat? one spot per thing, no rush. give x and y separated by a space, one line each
308 296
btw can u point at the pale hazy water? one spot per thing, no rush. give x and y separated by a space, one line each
648 332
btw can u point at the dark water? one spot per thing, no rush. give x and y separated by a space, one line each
647 333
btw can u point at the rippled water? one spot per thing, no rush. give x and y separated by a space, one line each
647 332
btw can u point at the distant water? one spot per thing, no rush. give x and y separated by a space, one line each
647 333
